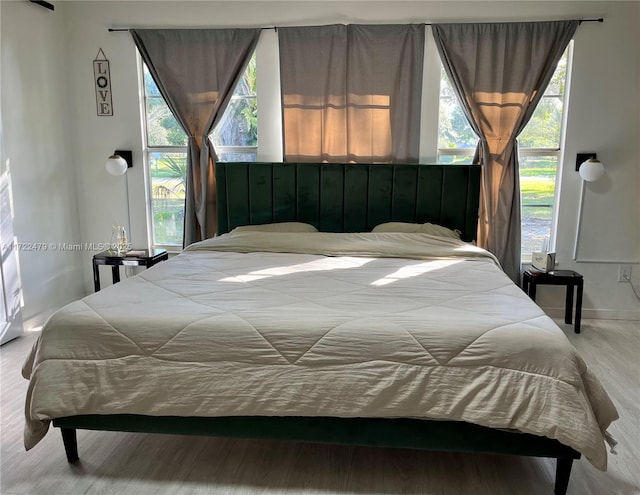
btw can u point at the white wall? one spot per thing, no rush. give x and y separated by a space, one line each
604 114
604 117
42 167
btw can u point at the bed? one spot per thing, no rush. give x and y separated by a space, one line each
325 331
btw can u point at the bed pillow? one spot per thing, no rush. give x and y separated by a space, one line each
417 228
277 227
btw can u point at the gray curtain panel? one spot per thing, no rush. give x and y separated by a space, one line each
196 71
499 72
351 93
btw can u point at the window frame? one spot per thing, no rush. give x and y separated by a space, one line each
556 152
149 150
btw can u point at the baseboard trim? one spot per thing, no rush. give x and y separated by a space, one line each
598 314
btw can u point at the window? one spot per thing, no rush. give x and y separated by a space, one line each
236 136
167 162
539 153
235 139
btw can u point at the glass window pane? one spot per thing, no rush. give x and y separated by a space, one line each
538 178
239 125
558 81
237 157
536 229
543 130
455 159
162 127
168 176
247 83
537 184
545 126
453 130
150 88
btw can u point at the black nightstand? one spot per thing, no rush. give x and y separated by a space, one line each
148 259
569 278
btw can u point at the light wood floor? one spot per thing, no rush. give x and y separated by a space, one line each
139 464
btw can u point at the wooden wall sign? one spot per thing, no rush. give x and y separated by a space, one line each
102 79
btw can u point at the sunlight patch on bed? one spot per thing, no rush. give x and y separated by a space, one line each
414 271
324 264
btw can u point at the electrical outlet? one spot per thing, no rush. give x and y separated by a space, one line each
624 273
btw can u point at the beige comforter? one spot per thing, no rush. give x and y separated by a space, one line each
347 325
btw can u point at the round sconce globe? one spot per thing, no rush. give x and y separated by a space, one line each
116 165
591 170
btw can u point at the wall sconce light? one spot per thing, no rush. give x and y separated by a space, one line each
591 169
118 164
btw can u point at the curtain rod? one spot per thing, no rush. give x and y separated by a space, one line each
599 19
275 28
580 21
126 30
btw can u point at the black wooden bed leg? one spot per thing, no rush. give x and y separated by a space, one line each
563 472
70 444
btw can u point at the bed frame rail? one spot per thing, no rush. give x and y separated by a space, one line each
453 436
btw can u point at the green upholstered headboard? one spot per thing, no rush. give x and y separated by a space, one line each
347 197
